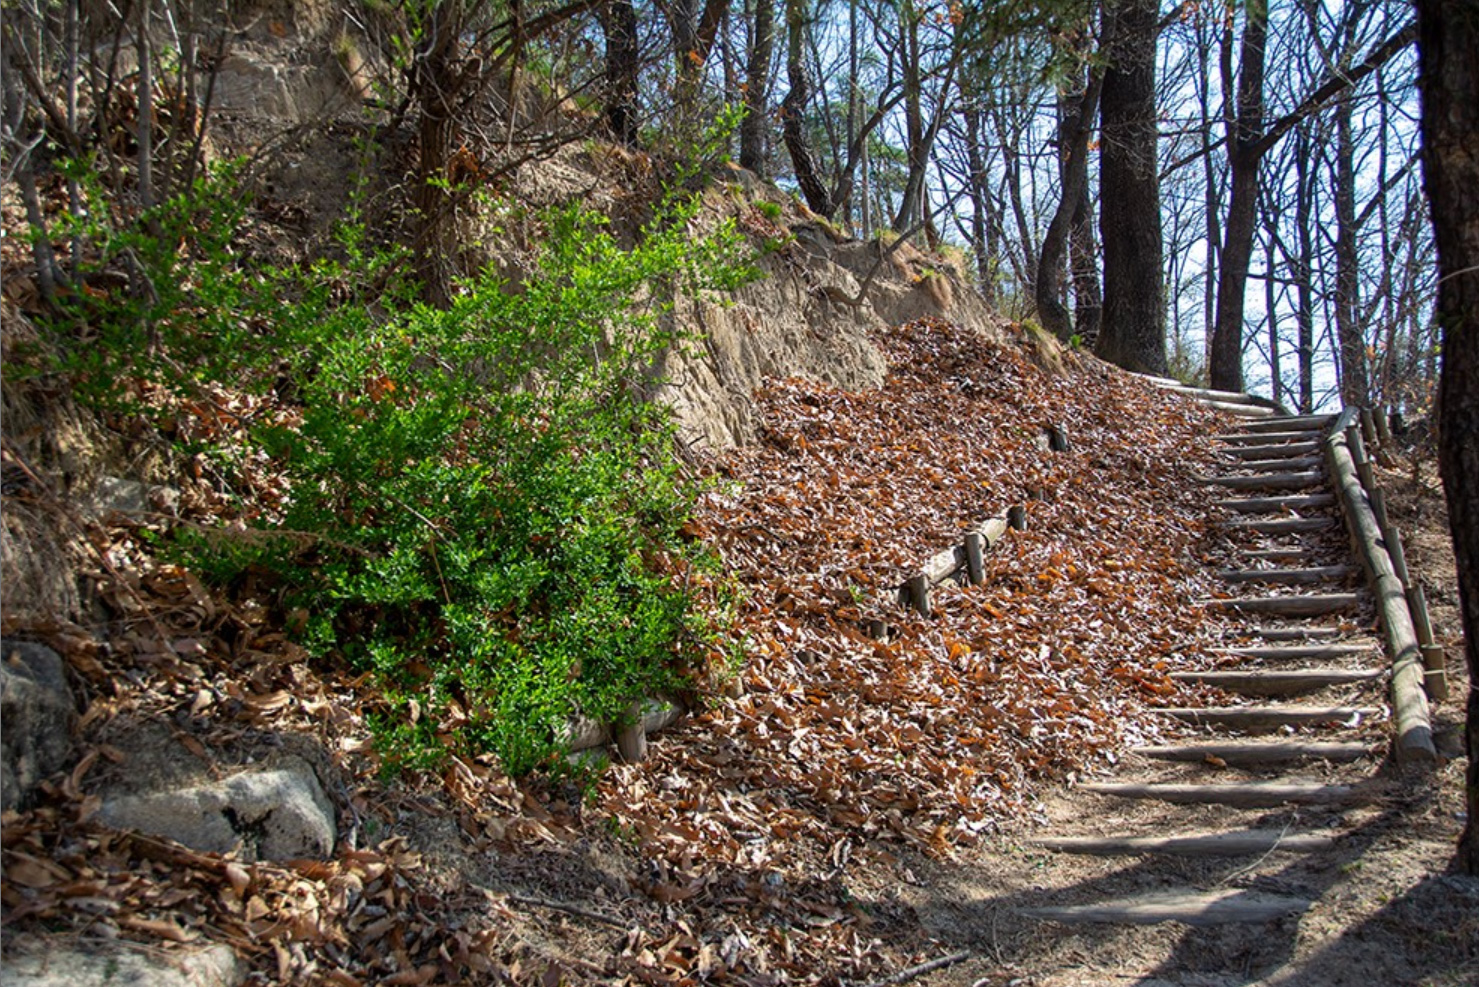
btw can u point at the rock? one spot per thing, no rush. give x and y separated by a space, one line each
114 495
260 83
34 962
280 813
37 709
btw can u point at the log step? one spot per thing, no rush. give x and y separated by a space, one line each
1281 554
1281 526
1275 505
1288 577
1261 718
1305 652
1204 393
1254 411
1304 605
1296 633
1269 451
1235 844
1245 753
1268 438
1288 423
1270 481
1227 907
1243 795
1284 463
1280 683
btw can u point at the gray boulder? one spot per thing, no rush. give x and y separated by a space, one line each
36 716
34 962
279 813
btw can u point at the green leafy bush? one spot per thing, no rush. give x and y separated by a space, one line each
479 504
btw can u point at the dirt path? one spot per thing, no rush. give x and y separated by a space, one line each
1282 846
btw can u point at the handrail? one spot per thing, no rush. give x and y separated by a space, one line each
1355 490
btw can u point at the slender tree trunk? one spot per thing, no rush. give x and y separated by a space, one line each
1083 263
1354 388
980 198
757 89
909 202
1134 331
144 95
793 111
619 25
1271 313
1305 271
1048 285
1213 201
1244 156
437 85
1449 79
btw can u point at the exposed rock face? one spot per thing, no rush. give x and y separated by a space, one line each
34 962
37 710
810 315
280 813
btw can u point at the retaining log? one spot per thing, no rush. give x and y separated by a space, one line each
1280 683
1263 718
1290 423
1288 577
1274 451
1311 652
1409 699
1236 844
1263 438
1201 908
1252 752
1307 605
1243 795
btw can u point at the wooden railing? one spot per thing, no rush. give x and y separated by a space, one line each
1417 662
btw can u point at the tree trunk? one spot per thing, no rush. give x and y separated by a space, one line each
1271 313
793 113
757 89
1048 285
1244 155
619 25
1304 272
1354 389
1133 334
980 201
437 84
1449 79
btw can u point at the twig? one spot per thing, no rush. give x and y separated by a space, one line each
561 906
909 973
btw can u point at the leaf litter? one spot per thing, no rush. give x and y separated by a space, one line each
764 839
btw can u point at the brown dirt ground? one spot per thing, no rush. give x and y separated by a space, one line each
1386 908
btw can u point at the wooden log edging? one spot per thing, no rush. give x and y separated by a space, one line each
962 564
582 733
1410 708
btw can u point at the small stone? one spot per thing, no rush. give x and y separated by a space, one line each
35 962
37 708
276 814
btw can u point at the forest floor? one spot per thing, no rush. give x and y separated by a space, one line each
860 808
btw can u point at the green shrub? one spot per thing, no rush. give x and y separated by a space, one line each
479 504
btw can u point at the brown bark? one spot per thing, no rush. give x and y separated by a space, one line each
1449 80
793 112
1354 384
1048 285
1226 364
437 85
757 88
1133 334
619 25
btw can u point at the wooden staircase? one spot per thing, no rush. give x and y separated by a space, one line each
1295 714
